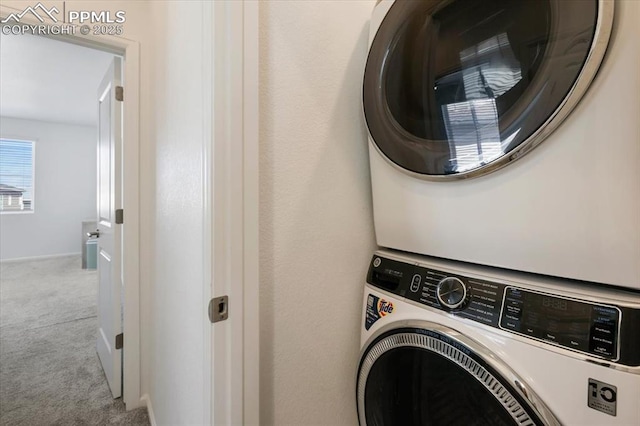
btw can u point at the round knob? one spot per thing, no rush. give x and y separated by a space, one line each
451 292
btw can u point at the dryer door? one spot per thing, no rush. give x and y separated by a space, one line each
457 88
432 375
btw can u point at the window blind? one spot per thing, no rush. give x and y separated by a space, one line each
16 175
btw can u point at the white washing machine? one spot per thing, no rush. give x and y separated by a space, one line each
445 343
455 91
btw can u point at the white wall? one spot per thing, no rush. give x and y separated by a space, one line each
316 226
65 189
316 231
177 307
171 302
172 306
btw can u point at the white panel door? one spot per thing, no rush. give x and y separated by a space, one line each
109 241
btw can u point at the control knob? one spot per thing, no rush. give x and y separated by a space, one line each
451 293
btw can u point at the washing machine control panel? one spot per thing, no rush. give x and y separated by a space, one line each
578 325
587 327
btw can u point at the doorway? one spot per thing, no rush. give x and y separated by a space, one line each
56 240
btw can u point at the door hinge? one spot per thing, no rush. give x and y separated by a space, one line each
119 216
219 309
119 93
119 341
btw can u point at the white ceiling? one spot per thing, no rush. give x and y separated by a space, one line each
49 80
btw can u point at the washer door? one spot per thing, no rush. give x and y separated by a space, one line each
458 88
433 376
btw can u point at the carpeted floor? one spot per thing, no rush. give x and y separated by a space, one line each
49 369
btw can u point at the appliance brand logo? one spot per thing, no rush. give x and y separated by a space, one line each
384 307
602 397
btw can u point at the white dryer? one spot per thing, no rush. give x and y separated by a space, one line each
456 90
450 344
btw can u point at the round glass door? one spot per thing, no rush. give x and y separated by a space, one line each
455 88
411 377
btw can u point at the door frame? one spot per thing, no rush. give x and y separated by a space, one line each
231 199
130 51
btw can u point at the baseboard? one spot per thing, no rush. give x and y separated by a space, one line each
147 401
49 256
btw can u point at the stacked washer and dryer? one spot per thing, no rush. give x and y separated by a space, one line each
505 292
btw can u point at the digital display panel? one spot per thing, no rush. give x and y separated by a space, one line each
570 323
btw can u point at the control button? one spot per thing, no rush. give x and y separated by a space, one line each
376 262
601 346
603 329
415 283
451 293
602 349
574 341
515 311
602 339
513 325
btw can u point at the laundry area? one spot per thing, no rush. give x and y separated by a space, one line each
504 145
333 213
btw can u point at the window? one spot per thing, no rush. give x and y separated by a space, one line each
16 175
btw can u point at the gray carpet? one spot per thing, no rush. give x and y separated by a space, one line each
49 369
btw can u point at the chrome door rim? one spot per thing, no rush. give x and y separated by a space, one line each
405 334
597 51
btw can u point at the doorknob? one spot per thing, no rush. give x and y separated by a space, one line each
94 234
